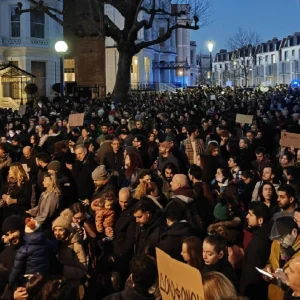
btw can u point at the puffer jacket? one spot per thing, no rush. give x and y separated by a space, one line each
103 217
32 257
72 256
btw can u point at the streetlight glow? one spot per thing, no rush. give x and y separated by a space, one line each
210 46
180 73
61 47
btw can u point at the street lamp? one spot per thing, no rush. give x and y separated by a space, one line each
210 46
61 48
181 74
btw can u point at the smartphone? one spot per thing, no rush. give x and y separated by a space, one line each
264 273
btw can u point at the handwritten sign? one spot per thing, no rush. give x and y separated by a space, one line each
248 119
290 139
76 120
22 110
178 280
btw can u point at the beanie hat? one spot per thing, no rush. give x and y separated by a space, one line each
31 225
64 220
54 165
100 173
221 212
12 223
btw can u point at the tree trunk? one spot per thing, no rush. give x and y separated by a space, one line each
123 77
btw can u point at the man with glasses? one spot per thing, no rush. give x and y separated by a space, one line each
285 246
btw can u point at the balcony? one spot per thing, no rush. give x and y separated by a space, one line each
284 68
271 70
27 42
167 48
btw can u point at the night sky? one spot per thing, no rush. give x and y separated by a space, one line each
269 18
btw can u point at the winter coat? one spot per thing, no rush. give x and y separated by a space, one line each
23 196
114 161
162 161
124 235
129 294
33 257
148 235
47 208
103 150
103 217
72 256
171 240
82 175
31 164
275 292
224 267
7 257
252 284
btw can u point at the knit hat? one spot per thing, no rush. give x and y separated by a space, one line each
31 225
54 165
170 138
12 223
281 227
100 173
221 212
64 220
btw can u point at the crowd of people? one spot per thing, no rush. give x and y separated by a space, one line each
82 209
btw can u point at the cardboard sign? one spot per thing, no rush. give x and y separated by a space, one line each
76 120
178 280
248 119
212 97
290 139
22 110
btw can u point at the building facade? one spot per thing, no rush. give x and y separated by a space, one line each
167 63
270 63
27 41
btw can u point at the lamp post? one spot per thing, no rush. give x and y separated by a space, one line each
210 46
61 48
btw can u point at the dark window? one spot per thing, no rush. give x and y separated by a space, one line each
38 68
14 23
37 24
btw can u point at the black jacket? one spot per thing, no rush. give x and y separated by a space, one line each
82 175
256 254
31 164
124 235
114 161
148 235
7 257
171 240
129 294
224 267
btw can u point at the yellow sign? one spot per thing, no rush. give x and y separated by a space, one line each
248 119
178 280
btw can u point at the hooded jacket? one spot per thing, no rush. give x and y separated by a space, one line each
33 257
171 240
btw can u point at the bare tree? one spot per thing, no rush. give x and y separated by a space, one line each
243 46
139 15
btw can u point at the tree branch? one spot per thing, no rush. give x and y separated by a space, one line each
164 37
112 30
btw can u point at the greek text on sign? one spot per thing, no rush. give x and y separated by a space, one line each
248 119
178 280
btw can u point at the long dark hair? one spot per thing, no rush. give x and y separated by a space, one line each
194 249
273 200
135 162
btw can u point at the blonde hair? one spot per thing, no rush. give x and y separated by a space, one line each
53 187
140 191
19 174
216 287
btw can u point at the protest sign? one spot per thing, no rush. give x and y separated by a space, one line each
248 119
22 110
290 139
178 280
212 97
76 120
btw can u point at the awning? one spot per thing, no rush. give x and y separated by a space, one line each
13 71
